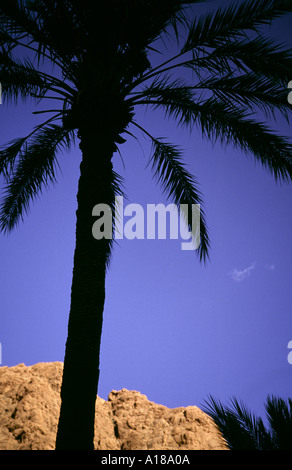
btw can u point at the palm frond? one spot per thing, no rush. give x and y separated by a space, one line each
237 58
167 94
8 155
35 169
18 20
218 42
13 16
10 151
178 18
230 427
27 22
251 91
20 79
179 186
233 22
279 414
251 425
229 123
260 55
239 427
242 430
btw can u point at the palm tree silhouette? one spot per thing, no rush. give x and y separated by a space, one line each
242 430
93 62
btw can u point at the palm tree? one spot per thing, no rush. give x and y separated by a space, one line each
242 430
93 62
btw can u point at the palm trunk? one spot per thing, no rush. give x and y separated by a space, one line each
81 363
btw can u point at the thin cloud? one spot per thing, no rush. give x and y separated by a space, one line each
240 275
271 267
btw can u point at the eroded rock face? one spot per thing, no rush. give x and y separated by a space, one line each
29 413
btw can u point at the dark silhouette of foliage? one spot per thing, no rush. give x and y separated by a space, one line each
242 430
94 62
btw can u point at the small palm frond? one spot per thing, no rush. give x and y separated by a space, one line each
223 119
13 17
18 22
218 43
173 96
20 79
224 122
279 414
177 15
147 21
232 432
252 426
259 55
30 166
179 186
250 91
9 152
244 431
8 155
239 428
233 22
27 23
262 55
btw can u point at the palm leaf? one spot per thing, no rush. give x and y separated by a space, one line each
239 427
172 96
8 155
252 426
228 123
233 22
179 186
259 55
218 43
27 22
279 414
176 14
244 431
251 91
34 170
230 427
21 79
224 122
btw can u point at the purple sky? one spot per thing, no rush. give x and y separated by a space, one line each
174 329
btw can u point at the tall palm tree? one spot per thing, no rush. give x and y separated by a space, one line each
94 63
242 430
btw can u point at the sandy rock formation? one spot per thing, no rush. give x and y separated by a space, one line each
30 404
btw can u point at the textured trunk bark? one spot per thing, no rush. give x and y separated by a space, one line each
81 363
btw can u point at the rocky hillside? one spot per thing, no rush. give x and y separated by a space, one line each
29 411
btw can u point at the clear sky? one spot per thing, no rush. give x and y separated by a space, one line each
174 329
